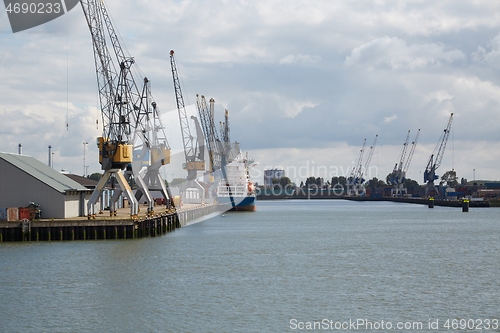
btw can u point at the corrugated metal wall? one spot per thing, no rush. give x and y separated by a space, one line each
18 188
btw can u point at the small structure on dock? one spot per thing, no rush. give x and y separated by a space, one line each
25 179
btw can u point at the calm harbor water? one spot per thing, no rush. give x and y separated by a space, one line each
287 265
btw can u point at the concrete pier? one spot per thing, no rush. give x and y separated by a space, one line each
103 227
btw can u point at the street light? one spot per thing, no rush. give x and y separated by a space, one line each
84 167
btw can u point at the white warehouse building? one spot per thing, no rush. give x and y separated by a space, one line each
24 179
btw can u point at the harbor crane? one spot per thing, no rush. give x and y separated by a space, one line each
151 152
367 162
193 149
355 171
435 160
398 175
213 142
356 179
128 113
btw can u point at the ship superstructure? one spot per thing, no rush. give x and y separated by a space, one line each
237 189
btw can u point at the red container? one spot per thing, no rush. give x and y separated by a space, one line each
24 213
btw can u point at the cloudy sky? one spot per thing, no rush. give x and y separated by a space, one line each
305 82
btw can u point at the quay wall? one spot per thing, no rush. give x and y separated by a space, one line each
102 228
332 195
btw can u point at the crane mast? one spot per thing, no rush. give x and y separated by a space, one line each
436 159
225 128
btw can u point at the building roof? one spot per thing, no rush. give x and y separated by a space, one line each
42 172
84 181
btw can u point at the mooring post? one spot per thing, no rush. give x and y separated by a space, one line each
431 202
465 205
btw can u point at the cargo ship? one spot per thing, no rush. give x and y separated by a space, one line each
237 191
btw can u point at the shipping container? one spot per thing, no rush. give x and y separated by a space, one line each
12 214
3 214
24 213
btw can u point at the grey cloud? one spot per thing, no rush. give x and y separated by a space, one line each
289 78
394 53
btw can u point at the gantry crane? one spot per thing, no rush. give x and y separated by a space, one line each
436 159
193 151
126 110
398 175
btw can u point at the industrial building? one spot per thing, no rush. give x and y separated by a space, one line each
24 179
272 173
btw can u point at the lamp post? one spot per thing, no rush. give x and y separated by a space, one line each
84 167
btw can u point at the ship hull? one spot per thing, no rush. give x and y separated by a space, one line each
240 203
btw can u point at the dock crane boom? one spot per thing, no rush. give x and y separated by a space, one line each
436 159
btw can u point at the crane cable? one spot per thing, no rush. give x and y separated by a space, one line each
67 73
